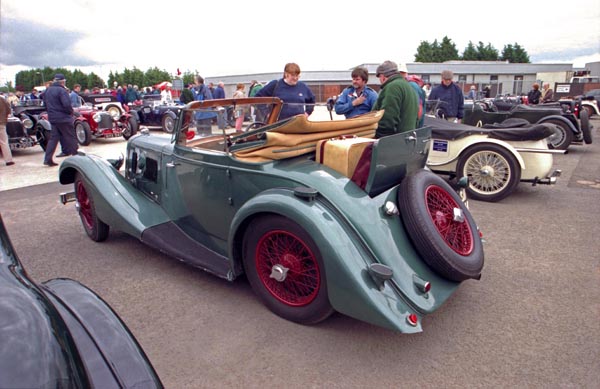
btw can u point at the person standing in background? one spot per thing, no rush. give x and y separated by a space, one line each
186 94
533 97
4 146
239 111
451 97
357 98
547 93
297 97
74 96
397 99
219 91
255 86
60 116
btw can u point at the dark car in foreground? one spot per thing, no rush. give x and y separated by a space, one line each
354 225
60 334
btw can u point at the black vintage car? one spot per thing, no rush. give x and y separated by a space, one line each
568 128
152 113
22 129
60 334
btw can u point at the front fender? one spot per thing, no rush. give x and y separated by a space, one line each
101 336
562 119
117 202
350 289
45 124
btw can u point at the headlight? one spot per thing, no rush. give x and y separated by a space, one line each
97 117
27 123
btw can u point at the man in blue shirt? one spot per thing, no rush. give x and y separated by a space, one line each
297 97
219 91
74 96
358 98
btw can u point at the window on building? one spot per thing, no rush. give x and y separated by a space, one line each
518 85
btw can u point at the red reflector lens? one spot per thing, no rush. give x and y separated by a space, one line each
412 319
427 287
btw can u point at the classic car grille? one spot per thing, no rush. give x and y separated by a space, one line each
15 129
106 121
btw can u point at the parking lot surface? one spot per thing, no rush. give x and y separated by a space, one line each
531 321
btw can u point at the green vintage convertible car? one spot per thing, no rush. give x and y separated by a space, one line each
372 234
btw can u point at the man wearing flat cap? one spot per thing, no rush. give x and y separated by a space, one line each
60 116
450 96
398 100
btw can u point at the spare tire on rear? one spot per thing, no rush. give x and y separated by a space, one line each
440 226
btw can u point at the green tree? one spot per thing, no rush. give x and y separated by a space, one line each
487 53
448 51
425 52
437 52
187 77
515 54
470 53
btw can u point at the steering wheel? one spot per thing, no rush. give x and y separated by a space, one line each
253 125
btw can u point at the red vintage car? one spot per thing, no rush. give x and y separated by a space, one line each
92 123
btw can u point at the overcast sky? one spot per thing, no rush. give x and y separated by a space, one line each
216 38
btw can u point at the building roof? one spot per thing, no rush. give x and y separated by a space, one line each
458 67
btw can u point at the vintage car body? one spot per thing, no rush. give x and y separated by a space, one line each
60 334
590 104
495 159
387 250
569 130
91 123
22 129
155 114
104 102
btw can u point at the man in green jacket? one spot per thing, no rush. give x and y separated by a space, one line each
397 98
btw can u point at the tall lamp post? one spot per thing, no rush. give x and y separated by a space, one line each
42 74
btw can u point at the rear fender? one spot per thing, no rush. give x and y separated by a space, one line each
118 203
350 288
171 114
585 103
562 119
460 145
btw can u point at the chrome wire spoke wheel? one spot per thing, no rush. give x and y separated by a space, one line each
488 172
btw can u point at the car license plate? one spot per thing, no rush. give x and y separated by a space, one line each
112 134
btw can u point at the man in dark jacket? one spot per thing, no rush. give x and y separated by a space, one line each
186 94
451 97
60 116
398 99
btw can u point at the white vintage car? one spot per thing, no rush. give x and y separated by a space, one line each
494 159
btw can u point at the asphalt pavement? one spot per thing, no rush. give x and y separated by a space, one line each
533 320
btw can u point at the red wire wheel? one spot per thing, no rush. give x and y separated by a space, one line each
85 211
441 205
440 226
285 269
95 228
